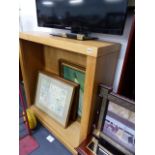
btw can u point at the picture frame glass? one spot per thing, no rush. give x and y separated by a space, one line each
75 74
119 125
54 97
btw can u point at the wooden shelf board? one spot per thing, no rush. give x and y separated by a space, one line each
68 136
90 48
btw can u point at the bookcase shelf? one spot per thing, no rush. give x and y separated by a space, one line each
69 135
40 51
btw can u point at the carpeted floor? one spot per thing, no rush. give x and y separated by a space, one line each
27 145
40 134
45 147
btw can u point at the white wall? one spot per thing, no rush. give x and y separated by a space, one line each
28 22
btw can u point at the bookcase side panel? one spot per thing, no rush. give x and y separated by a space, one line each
31 60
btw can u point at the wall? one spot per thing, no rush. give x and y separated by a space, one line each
28 22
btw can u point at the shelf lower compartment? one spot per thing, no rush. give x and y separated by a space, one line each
68 136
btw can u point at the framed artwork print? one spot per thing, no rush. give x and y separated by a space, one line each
74 73
118 126
54 96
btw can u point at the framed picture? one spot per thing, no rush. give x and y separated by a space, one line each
54 96
74 73
118 121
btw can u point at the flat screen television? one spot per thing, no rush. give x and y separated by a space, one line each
83 16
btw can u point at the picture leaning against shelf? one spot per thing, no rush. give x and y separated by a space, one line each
54 96
75 73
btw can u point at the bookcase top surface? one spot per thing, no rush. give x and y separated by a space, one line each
93 48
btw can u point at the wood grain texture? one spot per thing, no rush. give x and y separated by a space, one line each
31 60
100 70
53 55
88 97
89 48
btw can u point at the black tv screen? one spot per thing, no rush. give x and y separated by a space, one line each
80 16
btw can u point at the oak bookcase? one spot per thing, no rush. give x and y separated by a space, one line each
40 51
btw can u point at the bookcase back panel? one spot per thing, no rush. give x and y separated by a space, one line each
53 55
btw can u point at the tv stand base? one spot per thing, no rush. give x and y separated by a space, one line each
74 36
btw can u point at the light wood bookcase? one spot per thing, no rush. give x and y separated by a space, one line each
40 51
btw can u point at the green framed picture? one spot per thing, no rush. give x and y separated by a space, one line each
74 73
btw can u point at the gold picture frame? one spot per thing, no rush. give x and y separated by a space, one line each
75 73
54 96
